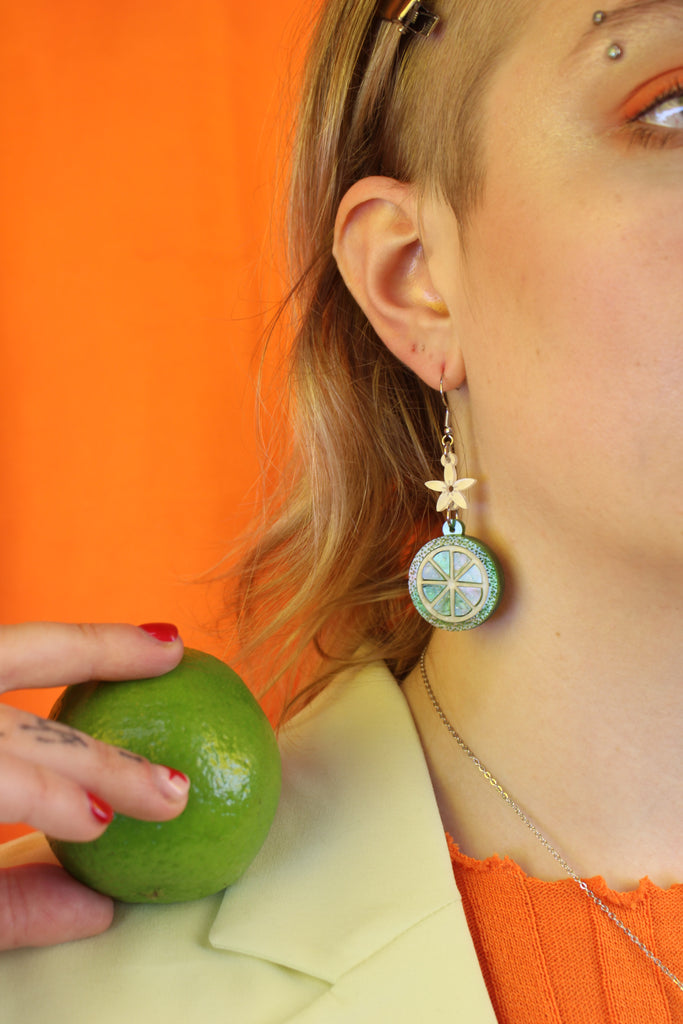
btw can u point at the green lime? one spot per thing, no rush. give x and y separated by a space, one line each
201 719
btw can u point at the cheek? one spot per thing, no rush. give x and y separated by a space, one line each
574 338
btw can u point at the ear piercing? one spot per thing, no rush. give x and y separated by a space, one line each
598 17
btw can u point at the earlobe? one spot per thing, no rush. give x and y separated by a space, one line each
380 252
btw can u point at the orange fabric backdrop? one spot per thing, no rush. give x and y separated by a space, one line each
136 197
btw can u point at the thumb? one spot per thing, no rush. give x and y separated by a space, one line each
40 905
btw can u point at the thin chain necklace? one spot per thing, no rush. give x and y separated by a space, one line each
538 834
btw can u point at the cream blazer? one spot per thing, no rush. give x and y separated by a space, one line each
349 914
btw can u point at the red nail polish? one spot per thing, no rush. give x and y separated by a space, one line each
101 811
176 783
164 631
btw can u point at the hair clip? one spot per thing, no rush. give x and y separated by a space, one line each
410 17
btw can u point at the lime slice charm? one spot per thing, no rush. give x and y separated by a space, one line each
454 580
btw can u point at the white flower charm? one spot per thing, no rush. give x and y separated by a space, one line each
450 487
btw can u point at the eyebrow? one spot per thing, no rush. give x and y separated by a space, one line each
626 13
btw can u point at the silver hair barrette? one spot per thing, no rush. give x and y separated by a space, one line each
410 17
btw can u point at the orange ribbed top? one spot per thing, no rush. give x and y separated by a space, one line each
550 956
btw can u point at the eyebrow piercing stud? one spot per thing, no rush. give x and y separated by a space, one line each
615 51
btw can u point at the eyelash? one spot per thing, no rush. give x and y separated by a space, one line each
651 134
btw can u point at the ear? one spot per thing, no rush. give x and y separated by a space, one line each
381 254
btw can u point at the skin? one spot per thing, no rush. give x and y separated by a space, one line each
48 771
559 322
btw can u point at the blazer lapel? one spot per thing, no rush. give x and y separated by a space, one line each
356 856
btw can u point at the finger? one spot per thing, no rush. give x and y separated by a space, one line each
35 654
41 905
36 796
34 751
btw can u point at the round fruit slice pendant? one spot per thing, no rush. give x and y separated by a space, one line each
454 580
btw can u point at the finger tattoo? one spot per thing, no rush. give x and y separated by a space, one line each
130 755
53 732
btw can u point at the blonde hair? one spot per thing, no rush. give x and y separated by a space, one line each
328 578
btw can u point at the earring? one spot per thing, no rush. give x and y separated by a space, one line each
454 581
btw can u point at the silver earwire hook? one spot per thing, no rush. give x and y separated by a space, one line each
447 438
446 418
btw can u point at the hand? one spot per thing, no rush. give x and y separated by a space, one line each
64 782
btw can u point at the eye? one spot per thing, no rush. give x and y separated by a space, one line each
666 111
658 102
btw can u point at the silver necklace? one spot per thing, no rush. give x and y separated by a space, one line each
537 832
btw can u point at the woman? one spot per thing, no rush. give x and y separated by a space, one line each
490 208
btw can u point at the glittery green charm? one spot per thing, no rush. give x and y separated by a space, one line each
454 581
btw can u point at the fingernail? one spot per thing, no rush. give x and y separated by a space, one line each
164 631
173 782
101 811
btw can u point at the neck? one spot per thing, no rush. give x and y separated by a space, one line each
574 702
